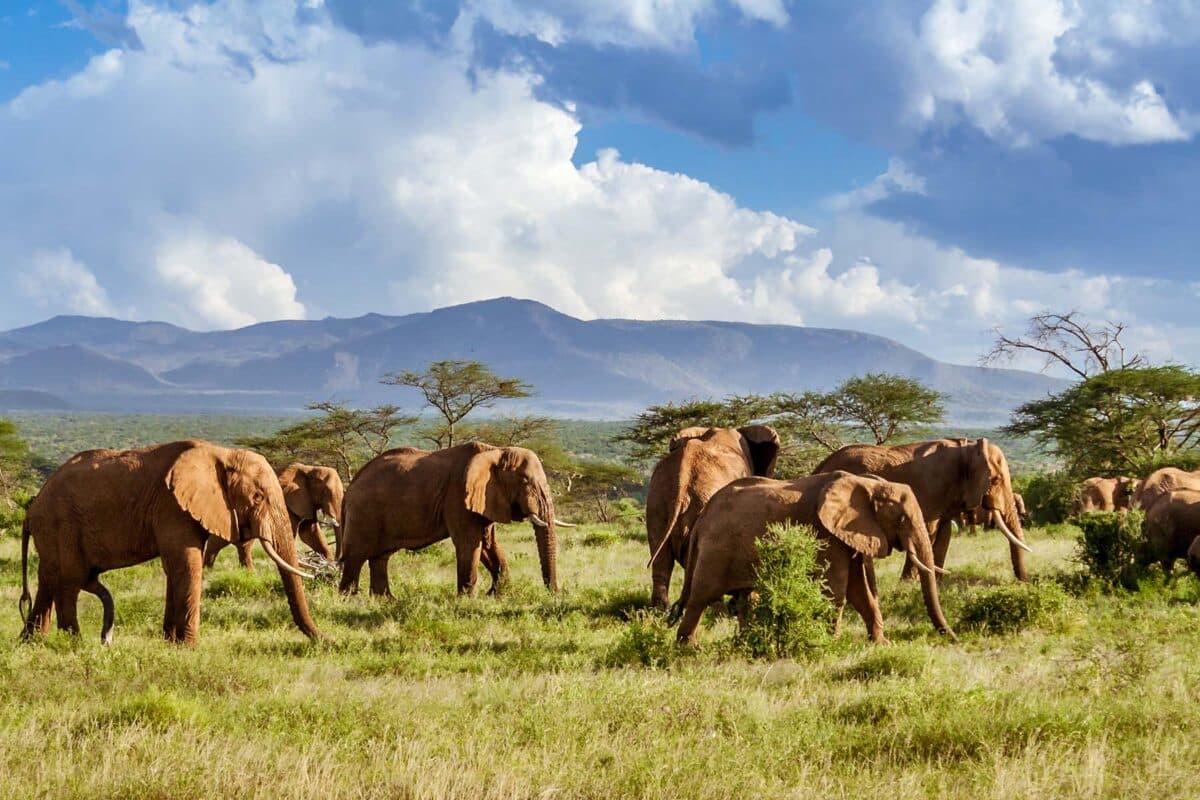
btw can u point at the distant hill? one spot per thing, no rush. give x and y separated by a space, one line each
29 400
607 368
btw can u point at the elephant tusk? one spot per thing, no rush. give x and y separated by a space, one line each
999 518
921 565
278 559
562 524
536 520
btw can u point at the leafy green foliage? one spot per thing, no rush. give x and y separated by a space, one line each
646 641
338 437
789 616
1109 546
1049 496
1121 421
1012 607
16 477
884 407
652 430
455 389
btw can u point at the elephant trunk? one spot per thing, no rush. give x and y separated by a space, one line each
547 541
293 587
921 550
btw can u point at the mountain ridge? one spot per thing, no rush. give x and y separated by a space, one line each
600 368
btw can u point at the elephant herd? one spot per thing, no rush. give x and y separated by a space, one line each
708 502
1170 498
184 501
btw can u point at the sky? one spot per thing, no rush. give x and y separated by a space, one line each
927 170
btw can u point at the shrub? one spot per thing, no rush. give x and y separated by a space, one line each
646 641
1012 607
789 615
1108 546
1049 496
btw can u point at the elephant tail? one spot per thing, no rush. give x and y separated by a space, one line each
25 604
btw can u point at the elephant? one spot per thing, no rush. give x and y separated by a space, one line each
1161 481
306 490
948 476
979 517
107 509
699 463
409 498
1105 494
857 518
1171 530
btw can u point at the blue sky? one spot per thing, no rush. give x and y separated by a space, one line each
924 169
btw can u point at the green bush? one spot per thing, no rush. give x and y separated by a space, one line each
1049 496
789 615
646 641
1012 607
1108 546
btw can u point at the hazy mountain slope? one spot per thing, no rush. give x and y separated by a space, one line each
599 368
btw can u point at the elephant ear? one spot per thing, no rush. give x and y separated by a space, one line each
686 435
298 495
847 510
763 443
197 480
485 493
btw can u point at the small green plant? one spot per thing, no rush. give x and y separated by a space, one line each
1108 547
789 614
1012 607
239 583
1049 496
646 641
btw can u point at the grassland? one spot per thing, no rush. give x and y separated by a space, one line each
432 696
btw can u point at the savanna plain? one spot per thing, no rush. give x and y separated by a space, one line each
584 694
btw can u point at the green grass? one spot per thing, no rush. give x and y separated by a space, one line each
431 696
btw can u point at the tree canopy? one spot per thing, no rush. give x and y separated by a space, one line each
455 389
338 437
1118 421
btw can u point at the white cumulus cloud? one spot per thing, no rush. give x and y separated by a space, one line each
55 279
218 282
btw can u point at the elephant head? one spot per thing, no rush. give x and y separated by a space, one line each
758 443
873 517
236 496
761 445
508 484
307 491
987 482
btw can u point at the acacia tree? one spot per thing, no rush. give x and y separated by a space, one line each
1119 421
455 389
14 463
653 429
886 407
341 437
1069 340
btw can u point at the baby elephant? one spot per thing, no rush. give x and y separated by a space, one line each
1172 530
858 518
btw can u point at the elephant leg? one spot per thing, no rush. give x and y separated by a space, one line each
467 554
379 576
864 601
39 616
660 577
941 541
496 564
351 570
244 556
94 586
692 613
212 547
181 623
66 599
744 603
837 579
